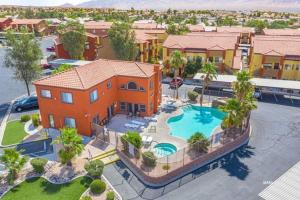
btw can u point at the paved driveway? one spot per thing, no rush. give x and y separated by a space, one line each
272 150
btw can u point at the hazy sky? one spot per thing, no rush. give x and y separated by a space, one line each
39 2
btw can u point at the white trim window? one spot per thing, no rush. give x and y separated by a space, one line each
142 108
123 106
46 93
66 97
94 95
108 84
70 122
132 86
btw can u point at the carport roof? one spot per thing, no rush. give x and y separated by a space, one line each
261 82
286 187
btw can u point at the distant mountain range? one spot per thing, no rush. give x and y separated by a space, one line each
276 5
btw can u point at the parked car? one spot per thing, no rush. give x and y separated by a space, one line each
50 49
176 81
46 66
25 103
257 93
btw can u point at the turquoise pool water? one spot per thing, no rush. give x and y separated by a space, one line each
195 119
164 149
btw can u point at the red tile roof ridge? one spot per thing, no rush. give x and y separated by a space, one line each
75 68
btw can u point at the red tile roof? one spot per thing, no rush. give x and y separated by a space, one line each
86 76
27 21
201 41
98 25
276 45
282 32
235 29
3 20
141 36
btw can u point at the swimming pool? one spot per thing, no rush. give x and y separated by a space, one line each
195 119
164 149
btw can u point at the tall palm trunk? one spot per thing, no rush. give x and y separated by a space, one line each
202 94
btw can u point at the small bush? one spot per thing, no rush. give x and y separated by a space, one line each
192 95
86 198
149 159
38 164
110 195
94 168
166 167
35 120
97 186
25 118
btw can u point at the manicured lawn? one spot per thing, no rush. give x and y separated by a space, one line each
41 189
14 133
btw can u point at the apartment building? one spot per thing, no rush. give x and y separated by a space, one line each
219 48
91 51
276 57
93 93
281 32
38 26
5 23
98 28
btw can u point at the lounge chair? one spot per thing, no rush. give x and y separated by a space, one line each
133 126
153 119
149 140
144 139
138 122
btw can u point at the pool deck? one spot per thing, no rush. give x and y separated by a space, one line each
158 130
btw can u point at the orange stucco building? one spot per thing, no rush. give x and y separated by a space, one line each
93 93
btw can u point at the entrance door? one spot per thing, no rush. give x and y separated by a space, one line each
136 108
51 121
129 106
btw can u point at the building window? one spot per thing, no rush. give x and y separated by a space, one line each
108 84
94 96
297 67
218 59
66 97
151 84
287 67
46 93
141 88
142 108
87 45
51 121
131 86
96 119
70 122
123 86
123 106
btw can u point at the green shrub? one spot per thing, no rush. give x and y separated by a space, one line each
133 138
86 198
149 159
110 195
198 142
166 167
38 164
97 186
94 168
25 118
35 120
192 95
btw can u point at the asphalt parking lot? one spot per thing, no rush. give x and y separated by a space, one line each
272 150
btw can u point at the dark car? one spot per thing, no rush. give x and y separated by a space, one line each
46 66
26 103
176 81
51 49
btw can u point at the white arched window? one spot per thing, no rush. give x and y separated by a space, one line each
132 86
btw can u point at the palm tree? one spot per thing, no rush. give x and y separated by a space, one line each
244 93
14 162
209 73
177 61
234 117
199 142
72 145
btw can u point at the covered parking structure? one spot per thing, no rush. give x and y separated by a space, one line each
277 88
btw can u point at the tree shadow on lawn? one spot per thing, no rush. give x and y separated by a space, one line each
50 188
